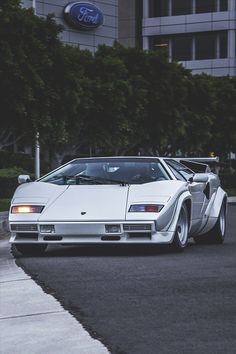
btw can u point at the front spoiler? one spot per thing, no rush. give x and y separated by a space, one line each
89 233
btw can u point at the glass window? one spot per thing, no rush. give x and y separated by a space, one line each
180 171
223 44
159 42
205 45
205 6
181 7
223 5
181 47
158 8
108 171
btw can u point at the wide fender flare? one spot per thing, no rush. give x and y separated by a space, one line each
214 211
184 197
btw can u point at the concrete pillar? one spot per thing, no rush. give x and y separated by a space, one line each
193 48
170 50
145 43
217 46
145 8
170 8
193 6
231 5
34 5
231 44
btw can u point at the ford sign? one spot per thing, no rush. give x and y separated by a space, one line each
83 15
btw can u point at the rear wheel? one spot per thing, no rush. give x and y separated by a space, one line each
29 249
217 234
181 233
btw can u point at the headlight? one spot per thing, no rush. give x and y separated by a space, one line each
26 209
145 208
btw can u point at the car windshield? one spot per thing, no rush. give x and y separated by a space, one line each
108 171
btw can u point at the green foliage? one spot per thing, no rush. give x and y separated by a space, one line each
116 101
7 186
9 159
5 204
12 172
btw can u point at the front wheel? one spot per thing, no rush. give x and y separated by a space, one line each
29 249
180 240
217 234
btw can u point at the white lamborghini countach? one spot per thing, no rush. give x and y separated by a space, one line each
119 200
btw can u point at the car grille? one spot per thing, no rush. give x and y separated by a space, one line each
137 227
24 227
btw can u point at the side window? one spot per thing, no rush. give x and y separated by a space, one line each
186 173
176 173
180 171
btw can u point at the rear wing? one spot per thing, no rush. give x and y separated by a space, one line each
198 164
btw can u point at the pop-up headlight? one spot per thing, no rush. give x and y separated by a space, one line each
26 209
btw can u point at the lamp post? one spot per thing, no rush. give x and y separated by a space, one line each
37 157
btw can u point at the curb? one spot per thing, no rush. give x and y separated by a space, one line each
4 225
232 200
32 321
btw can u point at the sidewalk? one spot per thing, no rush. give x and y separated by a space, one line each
3 223
231 200
32 321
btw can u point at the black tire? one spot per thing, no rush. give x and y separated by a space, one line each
180 239
29 249
217 234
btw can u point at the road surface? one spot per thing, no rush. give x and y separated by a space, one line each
145 300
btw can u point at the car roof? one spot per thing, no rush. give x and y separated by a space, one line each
118 157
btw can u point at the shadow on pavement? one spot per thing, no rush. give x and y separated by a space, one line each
105 251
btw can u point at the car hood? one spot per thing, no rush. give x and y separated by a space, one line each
88 203
91 202
35 193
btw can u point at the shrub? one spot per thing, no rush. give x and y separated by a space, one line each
8 180
12 172
10 159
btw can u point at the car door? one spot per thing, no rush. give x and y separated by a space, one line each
197 190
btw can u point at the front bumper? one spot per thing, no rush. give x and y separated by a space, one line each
137 232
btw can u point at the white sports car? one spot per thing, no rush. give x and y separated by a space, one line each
119 200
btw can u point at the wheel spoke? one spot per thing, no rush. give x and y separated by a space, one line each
182 227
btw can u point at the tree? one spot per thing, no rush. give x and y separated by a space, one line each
28 45
223 129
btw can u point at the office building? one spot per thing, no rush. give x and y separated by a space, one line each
87 38
198 33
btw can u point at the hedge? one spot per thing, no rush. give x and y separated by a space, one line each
7 186
228 180
10 159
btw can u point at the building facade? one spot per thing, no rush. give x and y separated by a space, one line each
86 39
198 33
130 22
201 34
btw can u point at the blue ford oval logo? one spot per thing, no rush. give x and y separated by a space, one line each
83 15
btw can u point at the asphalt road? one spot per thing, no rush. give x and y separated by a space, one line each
144 300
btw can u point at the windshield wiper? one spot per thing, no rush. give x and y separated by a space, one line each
68 180
99 179
87 178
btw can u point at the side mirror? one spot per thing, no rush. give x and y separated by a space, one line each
199 178
23 179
